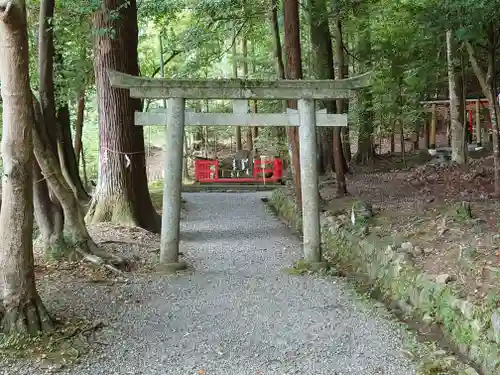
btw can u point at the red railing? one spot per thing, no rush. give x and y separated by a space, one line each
208 171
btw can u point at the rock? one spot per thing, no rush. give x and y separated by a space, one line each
361 211
417 251
495 324
407 246
364 231
444 278
427 319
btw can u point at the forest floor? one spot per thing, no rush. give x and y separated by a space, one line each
235 312
136 316
445 216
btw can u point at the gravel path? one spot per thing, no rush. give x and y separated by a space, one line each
237 313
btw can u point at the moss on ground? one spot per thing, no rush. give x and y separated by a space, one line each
391 276
53 350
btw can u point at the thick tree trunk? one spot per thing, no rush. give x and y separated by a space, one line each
254 129
293 70
325 150
67 156
46 71
278 58
237 129
78 242
80 112
21 309
48 214
365 153
121 195
244 52
341 74
456 103
488 86
392 140
48 210
426 134
323 68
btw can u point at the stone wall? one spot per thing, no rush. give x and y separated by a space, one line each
391 274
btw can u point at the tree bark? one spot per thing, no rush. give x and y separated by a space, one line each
48 211
456 103
365 153
278 58
488 86
392 140
254 129
293 70
48 214
237 129
323 68
80 112
341 74
244 52
121 194
67 156
21 310
77 241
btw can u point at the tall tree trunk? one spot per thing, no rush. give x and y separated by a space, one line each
365 151
237 129
48 211
121 194
67 156
80 112
456 103
341 74
323 68
77 241
392 140
244 52
255 129
488 86
21 309
325 149
426 134
293 70
48 214
278 58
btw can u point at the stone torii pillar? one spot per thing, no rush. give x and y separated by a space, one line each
177 91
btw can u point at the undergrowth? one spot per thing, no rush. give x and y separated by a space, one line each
63 346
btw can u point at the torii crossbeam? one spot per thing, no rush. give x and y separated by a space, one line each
177 91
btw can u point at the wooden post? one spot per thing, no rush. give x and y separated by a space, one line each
478 124
432 145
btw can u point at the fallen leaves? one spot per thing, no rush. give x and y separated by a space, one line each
429 206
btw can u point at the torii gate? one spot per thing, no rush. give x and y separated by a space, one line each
177 91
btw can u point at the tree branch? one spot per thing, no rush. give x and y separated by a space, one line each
171 57
350 53
480 74
5 10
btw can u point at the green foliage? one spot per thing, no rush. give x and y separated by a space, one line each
54 350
